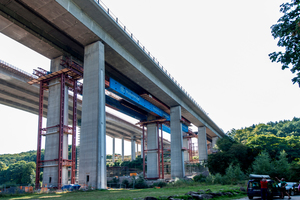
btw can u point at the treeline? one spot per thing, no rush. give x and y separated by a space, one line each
19 169
29 156
279 129
19 173
271 148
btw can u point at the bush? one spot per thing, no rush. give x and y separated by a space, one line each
126 183
159 184
140 183
182 183
199 178
233 175
219 179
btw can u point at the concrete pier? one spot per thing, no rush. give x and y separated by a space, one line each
142 149
152 140
213 143
185 144
202 144
113 149
133 148
177 162
50 176
122 148
93 129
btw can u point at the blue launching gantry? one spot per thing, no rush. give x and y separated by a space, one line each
124 92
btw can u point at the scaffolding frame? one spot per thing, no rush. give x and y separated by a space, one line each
68 76
159 149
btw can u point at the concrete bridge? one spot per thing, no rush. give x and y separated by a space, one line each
86 31
17 93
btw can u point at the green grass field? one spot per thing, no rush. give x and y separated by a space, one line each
127 194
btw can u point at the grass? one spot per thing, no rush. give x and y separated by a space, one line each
127 194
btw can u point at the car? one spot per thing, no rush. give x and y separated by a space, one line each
71 187
254 190
291 188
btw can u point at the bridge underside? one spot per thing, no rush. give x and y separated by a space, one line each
84 31
51 30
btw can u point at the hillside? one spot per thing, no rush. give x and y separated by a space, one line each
279 129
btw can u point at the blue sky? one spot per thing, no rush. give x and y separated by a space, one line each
217 50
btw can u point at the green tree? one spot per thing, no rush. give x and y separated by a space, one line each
21 173
282 166
295 171
3 169
263 164
287 30
225 143
234 174
217 163
230 153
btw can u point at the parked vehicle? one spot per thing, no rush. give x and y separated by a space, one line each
71 187
291 188
254 189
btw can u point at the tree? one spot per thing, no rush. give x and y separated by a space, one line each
262 164
282 166
225 144
21 173
295 171
3 169
218 163
287 30
231 153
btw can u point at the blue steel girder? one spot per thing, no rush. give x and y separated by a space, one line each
124 92
123 109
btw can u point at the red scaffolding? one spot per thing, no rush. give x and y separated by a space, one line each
68 76
159 149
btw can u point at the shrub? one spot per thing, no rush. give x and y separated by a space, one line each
219 179
139 183
159 184
199 178
233 175
126 183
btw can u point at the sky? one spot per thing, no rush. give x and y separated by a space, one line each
217 50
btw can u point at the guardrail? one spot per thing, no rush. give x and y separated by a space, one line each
18 70
130 34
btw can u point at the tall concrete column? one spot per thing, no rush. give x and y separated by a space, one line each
122 148
113 149
185 144
137 149
142 149
202 144
133 148
52 137
93 128
213 143
152 156
177 162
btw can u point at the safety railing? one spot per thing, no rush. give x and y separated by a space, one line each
130 34
7 65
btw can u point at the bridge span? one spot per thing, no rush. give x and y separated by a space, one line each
87 32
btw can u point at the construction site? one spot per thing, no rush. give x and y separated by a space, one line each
109 70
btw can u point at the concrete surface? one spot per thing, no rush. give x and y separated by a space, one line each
202 144
177 160
64 27
92 162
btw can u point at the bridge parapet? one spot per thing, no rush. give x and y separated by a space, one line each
147 52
